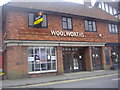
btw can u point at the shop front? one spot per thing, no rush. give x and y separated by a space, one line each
35 58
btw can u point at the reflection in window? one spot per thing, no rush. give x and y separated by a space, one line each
31 19
67 23
90 26
41 59
113 28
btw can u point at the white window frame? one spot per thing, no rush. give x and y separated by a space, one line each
33 72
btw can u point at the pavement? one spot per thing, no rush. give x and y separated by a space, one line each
44 79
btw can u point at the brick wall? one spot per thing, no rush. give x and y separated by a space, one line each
15 64
17 26
59 61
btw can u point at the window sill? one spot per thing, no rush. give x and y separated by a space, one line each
114 33
37 72
91 31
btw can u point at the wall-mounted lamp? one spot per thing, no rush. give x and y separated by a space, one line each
100 35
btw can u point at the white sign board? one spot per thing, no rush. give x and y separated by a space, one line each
30 58
53 57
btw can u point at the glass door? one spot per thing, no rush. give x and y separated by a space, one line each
96 58
73 60
67 61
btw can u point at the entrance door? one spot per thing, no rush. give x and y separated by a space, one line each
67 62
73 60
96 58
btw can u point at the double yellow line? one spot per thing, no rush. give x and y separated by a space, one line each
66 81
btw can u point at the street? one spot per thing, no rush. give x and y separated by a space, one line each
104 81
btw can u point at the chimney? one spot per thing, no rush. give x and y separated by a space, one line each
87 2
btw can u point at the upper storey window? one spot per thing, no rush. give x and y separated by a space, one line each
113 28
90 26
67 23
33 17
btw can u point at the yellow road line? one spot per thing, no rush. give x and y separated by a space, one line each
66 81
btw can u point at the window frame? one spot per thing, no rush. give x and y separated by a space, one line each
34 20
67 23
46 53
93 30
112 28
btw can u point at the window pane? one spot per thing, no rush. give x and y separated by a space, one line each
90 22
31 19
54 65
43 66
94 26
44 23
69 23
36 51
116 30
86 25
64 25
90 27
113 28
49 66
64 19
110 28
43 56
53 51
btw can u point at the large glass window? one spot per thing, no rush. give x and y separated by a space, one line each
90 26
113 28
32 17
67 23
41 59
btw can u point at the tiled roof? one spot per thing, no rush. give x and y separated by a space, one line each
66 7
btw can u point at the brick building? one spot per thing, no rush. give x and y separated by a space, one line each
71 38
1 39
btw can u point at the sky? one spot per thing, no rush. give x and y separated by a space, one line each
77 1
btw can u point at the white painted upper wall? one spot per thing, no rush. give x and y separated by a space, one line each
108 8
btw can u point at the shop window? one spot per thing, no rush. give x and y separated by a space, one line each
31 19
113 28
114 55
90 26
67 23
107 57
42 59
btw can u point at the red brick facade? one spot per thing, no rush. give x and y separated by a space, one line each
16 24
21 31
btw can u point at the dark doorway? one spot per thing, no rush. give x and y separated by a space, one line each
73 60
96 58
